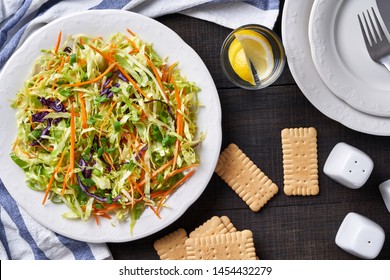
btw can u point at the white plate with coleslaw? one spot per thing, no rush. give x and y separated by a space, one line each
166 43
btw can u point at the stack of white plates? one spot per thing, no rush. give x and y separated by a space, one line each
330 63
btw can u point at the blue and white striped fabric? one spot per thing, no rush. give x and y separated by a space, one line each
22 237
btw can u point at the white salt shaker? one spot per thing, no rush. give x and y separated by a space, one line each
360 236
348 166
384 188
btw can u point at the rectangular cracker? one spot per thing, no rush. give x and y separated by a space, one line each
300 163
215 225
229 246
172 246
245 178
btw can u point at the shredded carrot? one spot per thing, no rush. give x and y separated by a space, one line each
130 31
49 149
168 73
84 116
176 153
40 79
102 214
158 171
26 153
137 187
94 79
179 124
31 121
72 142
112 49
180 170
111 207
155 211
14 145
164 73
96 219
140 191
98 214
155 72
105 118
109 84
48 66
105 56
61 65
142 175
124 73
53 85
42 110
153 195
131 192
135 48
81 62
133 52
58 42
52 177
108 159
171 189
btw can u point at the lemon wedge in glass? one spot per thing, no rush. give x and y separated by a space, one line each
251 48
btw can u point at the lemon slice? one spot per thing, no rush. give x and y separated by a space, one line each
258 51
239 62
249 47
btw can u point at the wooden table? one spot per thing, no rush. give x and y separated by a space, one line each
287 227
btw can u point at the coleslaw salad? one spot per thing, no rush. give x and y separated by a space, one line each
106 126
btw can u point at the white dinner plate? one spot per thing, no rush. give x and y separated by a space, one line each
167 44
341 58
295 20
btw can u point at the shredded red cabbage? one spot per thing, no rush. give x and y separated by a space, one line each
39 117
120 76
98 198
56 105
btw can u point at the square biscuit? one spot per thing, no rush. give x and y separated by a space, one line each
172 246
215 225
300 163
229 246
245 178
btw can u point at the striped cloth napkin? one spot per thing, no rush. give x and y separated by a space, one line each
23 238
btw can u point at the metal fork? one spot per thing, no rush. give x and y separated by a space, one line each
377 44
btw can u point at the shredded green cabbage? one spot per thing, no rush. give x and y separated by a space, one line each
134 128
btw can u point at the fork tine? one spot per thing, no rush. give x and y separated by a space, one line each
381 32
375 39
364 32
374 29
368 29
